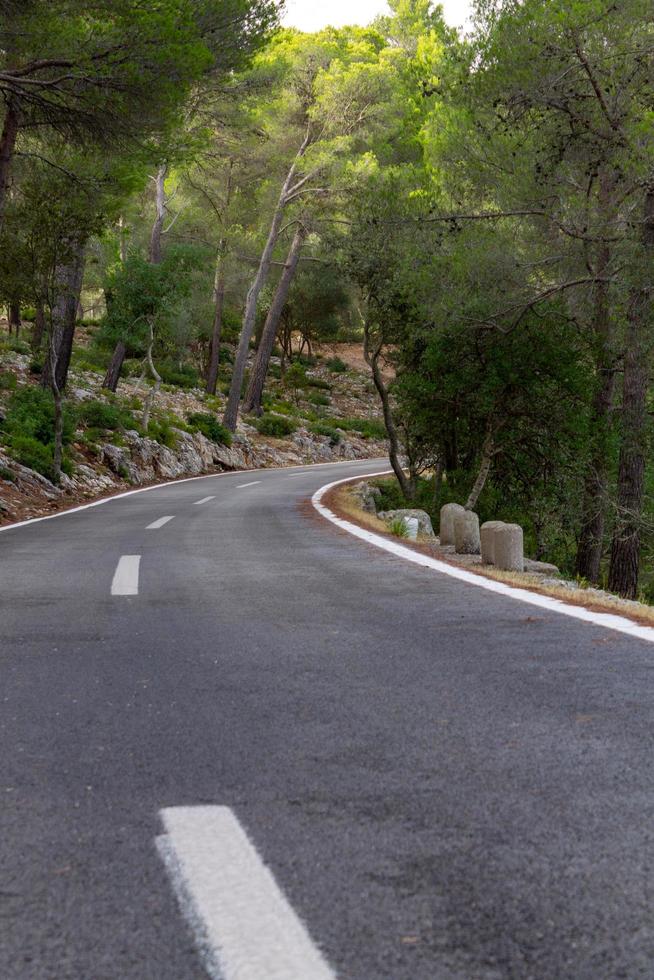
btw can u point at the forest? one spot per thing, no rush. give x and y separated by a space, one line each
196 190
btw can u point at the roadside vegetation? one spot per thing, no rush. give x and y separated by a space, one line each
477 214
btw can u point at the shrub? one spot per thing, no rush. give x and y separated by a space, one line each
368 428
317 399
17 346
322 429
277 426
397 526
162 432
336 365
30 412
185 376
319 383
36 367
210 427
102 415
7 474
7 381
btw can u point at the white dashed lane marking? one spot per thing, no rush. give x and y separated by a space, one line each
243 924
126 576
205 500
159 523
242 486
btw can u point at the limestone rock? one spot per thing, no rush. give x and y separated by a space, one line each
367 497
423 518
448 514
466 533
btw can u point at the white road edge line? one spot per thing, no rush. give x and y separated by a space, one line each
205 500
244 926
159 523
126 576
617 623
171 483
242 486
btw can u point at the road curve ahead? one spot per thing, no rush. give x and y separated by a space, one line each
206 681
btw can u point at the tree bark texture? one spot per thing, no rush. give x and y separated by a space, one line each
39 327
488 451
252 402
154 252
14 317
67 286
625 547
372 355
249 316
8 138
112 377
216 331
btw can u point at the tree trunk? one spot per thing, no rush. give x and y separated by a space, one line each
249 316
372 359
591 540
39 327
14 317
218 305
7 146
149 401
154 253
122 240
67 286
625 548
112 377
487 454
259 373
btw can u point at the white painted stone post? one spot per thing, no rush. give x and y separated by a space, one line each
509 548
487 535
412 525
446 531
466 533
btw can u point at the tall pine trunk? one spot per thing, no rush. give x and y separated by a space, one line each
154 253
8 138
252 402
249 316
112 377
14 317
217 327
66 287
625 548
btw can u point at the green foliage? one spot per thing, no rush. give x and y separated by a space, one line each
210 427
7 381
28 430
315 398
102 415
323 429
319 384
163 432
7 474
184 376
336 365
276 426
367 428
397 526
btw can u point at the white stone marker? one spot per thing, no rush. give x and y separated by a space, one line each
509 552
412 525
487 535
448 513
466 533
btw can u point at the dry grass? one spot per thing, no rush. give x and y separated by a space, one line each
341 501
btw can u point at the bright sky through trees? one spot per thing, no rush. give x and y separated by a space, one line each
311 16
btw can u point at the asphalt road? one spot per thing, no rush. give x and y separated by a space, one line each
447 784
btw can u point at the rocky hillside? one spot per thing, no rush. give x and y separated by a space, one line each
327 411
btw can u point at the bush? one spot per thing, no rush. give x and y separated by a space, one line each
368 428
185 376
319 383
315 398
397 526
162 431
7 474
30 412
210 427
17 346
7 381
336 365
102 415
322 429
277 426
36 367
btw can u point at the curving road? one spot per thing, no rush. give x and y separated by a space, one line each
445 783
